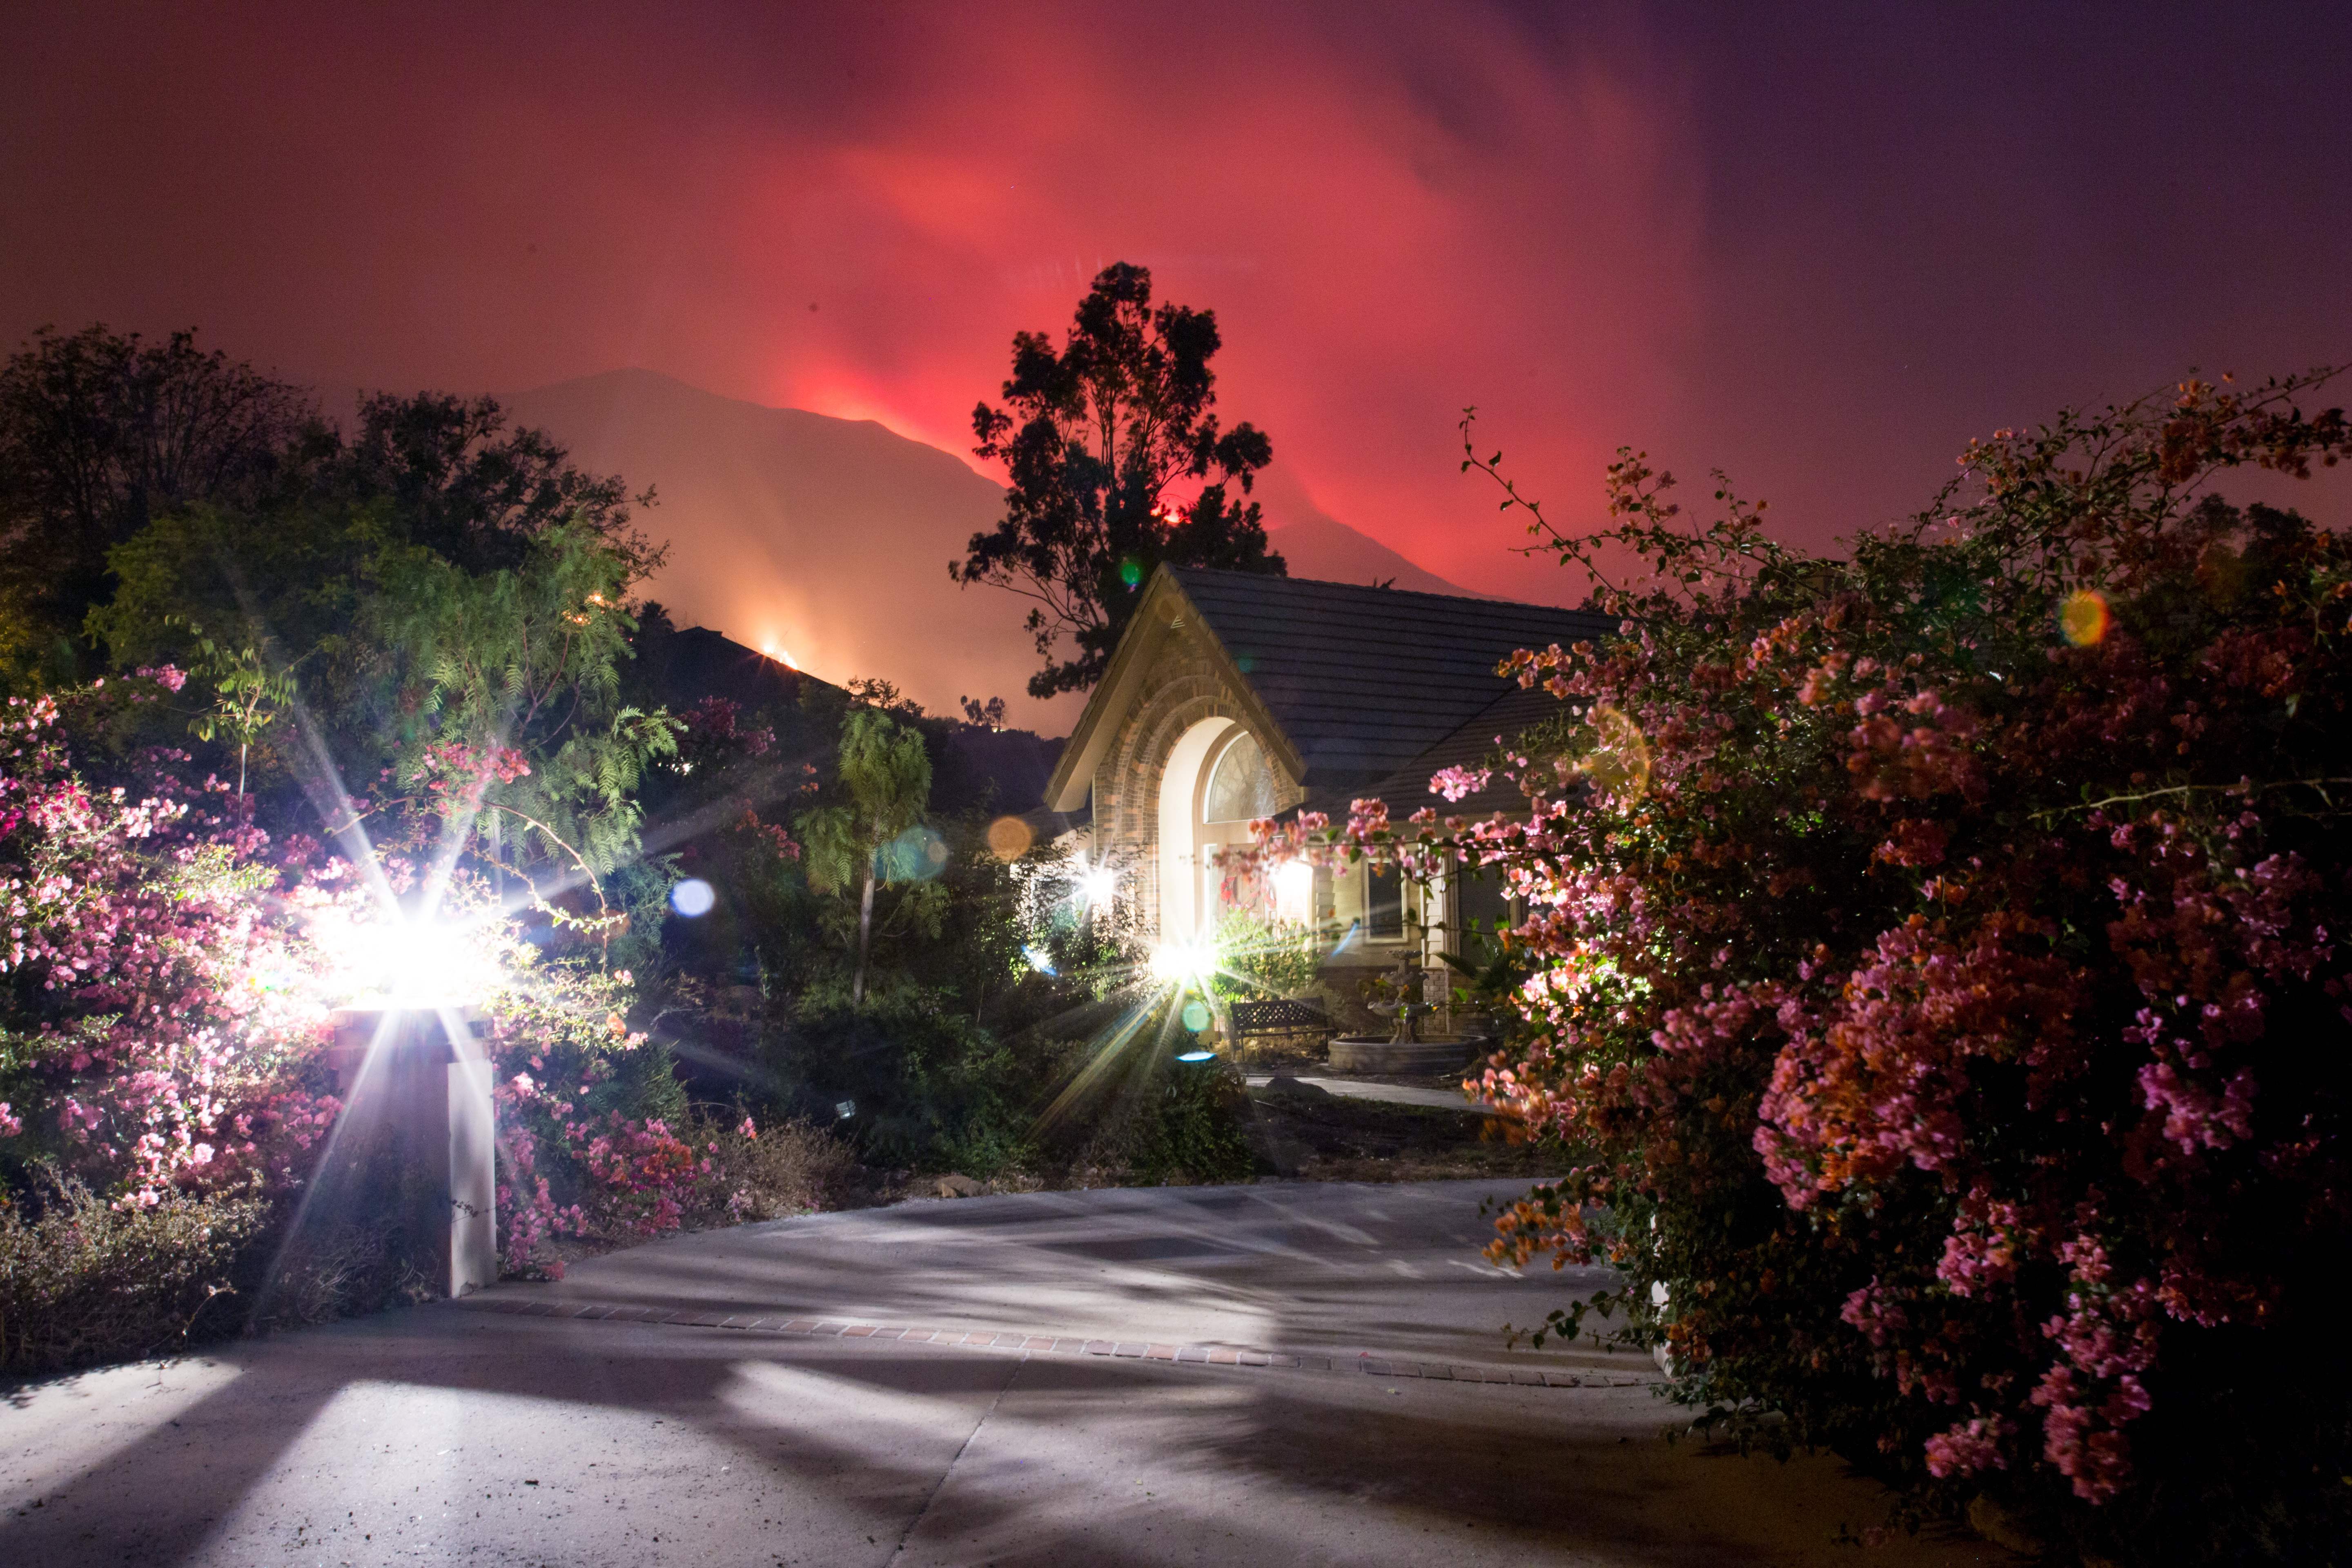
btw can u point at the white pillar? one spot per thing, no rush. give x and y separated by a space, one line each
473 1177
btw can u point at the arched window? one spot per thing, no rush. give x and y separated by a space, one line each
1241 786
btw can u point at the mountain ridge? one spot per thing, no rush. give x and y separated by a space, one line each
825 541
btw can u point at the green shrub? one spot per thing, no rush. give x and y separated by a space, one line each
1258 956
932 1088
1176 1122
82 1281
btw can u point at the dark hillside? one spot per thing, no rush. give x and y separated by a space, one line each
974 767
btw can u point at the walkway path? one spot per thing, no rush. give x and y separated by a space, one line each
1395 1093
1279 1374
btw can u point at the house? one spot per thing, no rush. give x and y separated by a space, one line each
1233 696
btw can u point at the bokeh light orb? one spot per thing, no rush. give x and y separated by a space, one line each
1131 571
1618 764
1196 1016
693 898
1009 839
2085 618
917 855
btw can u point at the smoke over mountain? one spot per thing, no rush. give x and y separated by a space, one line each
826 541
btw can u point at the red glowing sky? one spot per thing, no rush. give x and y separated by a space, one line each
1819 253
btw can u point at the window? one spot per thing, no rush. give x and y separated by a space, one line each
1241 786
1383 904
1486 903
1486 907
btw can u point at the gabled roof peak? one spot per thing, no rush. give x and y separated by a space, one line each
1357 681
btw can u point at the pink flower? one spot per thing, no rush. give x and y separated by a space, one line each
1456 782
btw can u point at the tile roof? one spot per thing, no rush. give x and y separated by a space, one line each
1509 716
1366 681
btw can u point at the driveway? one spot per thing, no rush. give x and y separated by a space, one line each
1393 1093
1280 1374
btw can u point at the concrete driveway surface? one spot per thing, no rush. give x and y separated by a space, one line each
1279 1374
1391 1093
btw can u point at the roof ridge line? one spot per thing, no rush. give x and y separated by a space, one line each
1189 572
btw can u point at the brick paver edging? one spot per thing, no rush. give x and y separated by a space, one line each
1054 1344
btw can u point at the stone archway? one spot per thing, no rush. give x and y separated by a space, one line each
1216 781
1185 699
1186 908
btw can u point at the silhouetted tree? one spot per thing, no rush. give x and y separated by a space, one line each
465 484
102 432
1100 440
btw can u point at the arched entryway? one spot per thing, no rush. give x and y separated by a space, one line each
1216 781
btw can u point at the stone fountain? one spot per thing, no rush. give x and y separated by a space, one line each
1403 1000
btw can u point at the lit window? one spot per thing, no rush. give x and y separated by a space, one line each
1294 891
1383 904
1241 786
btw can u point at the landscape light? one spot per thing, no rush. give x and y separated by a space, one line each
403 963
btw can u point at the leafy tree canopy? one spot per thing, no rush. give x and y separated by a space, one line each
1100 439
102 432
866 839
469 488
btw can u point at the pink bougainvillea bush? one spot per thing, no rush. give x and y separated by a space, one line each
160 1013
597 1144
160 1031
169 977
1941 991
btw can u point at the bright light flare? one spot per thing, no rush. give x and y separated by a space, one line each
1097 884
1178 963
781 654
407 963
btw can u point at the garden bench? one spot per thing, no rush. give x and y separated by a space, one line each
1282 1016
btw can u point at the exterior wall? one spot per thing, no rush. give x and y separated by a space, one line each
1185 683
